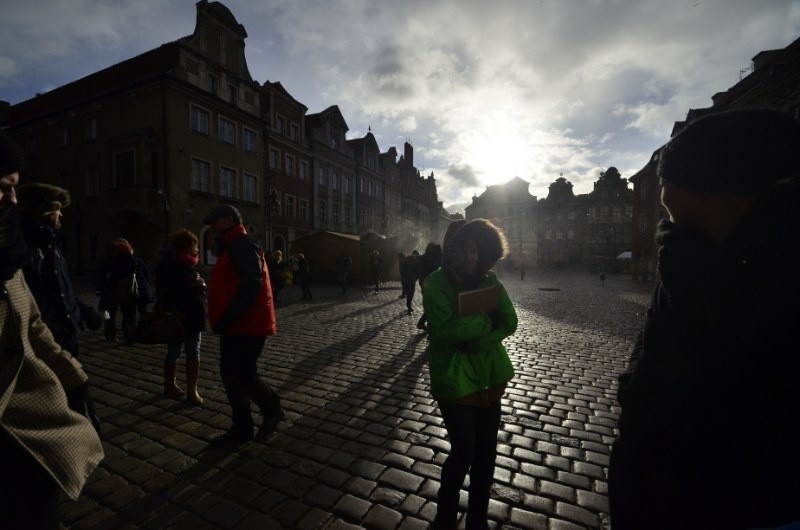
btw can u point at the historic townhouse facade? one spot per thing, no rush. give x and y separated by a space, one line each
392 192
609 213
152 143
288 161
370 206
561 226
333 167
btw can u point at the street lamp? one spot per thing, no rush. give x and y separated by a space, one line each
163 194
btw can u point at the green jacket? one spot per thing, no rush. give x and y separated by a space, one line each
465 356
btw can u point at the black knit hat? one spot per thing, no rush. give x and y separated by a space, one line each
38 198
739 151
11 158
223 210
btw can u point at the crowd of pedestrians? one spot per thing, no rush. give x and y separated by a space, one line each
709 398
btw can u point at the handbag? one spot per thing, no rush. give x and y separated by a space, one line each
160 326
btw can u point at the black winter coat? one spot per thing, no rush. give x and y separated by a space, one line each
711 400
183 290
48 279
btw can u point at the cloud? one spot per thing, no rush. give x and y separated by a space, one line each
486 91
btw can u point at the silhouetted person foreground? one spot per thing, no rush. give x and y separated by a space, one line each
710 399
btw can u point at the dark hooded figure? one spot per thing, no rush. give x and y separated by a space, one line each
710 399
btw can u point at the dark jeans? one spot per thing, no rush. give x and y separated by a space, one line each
473 448
30 497
237 367
409 287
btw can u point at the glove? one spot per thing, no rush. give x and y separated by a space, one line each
80 400
495 317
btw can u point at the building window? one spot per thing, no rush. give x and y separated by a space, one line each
250 188
249 140
201 176
200 120
335 213
124 169
288 209
289 166
233 94
371 161
227 131
348 215
642 223
363 187
302 209
294 131
346 184
303 170
91 129
323 209
274 158
227 182
334 180
571 234
363 217
63 137
211 83
280 125
322 177
334 143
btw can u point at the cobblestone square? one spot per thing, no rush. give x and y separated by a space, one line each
362 442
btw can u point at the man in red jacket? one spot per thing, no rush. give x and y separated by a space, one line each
242 312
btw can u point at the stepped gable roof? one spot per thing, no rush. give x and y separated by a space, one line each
508 192
332 114
279 88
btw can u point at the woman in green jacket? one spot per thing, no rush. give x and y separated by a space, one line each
469 366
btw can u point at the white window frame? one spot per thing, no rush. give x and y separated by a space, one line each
226 131
195 124
249 140
227 186
198 181
302 209
250 187
289 205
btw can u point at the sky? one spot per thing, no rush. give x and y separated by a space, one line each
484 91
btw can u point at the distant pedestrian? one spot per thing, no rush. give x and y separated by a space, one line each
430 261
276 265
469 366
376 264
410 276
343 264
183 290
125 285
401 263
242 312
710 399
304 275
522 267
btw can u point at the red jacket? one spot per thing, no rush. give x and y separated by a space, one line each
239 293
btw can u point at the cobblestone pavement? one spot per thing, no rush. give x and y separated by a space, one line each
362 443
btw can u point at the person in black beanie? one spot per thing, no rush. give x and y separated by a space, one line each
48 445
710 400
46 271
